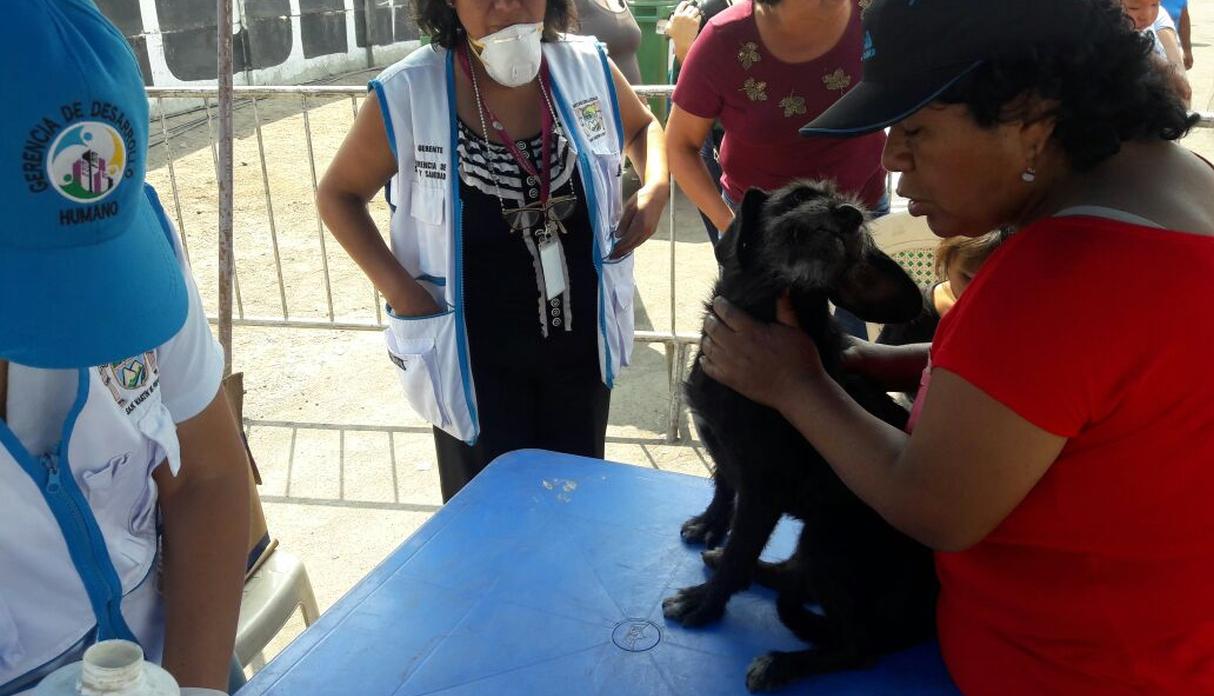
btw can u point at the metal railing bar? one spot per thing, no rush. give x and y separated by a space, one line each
320 228
206 103
392 460
295 426
265 184
168 156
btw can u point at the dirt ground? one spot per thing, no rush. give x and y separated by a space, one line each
348 468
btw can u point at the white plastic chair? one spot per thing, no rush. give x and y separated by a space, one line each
909 241
272 594
276 584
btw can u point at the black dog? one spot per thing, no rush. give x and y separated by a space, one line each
876 586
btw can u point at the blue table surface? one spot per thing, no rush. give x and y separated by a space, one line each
545 576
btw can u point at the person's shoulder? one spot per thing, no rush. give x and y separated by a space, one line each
422 58
578 44
575 40
1163 20
731 20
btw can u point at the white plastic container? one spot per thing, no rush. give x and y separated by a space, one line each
110 668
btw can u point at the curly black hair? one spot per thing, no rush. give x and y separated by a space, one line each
1106 91
437 19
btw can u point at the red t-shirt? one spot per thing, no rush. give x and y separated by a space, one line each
1101 582
762 102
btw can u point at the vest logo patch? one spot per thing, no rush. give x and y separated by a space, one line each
131 381
132 373
590 118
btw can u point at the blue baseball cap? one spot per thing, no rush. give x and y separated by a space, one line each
88 274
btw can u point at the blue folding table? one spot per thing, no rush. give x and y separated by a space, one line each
545 577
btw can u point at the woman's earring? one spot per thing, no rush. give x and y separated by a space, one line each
1029 175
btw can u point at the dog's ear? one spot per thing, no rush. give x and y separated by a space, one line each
877 289
735 243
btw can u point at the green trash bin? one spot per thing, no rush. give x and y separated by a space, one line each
654 53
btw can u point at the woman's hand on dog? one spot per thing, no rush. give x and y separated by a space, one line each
767 363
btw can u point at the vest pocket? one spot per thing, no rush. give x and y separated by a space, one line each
617 276
428 202
412 347
606 165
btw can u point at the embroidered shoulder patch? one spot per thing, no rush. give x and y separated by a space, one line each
590 118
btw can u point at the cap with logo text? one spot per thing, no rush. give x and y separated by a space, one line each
914 50
88 274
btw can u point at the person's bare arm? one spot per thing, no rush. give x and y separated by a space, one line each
645 145
969 463
682 29
206 536
1175 63
685 135
893 368
1185 29
362 166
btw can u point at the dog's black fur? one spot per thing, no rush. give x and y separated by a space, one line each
876 586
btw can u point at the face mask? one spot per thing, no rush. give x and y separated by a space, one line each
511 56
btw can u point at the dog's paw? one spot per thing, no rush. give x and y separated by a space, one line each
703 529
767 673
712 557
693 606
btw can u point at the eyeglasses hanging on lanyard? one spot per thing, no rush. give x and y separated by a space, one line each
545 215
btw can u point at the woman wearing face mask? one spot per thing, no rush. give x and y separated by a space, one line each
509 278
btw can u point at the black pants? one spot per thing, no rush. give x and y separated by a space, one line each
563 410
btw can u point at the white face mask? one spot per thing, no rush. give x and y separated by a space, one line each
511 56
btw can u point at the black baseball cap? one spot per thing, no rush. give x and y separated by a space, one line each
914 50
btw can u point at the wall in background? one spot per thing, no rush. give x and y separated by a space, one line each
276 42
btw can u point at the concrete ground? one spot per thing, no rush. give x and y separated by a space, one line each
348 486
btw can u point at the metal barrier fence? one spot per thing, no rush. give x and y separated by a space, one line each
251 100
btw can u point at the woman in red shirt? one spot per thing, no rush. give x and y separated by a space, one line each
763 68
1063 463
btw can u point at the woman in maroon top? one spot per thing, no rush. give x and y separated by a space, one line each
763 69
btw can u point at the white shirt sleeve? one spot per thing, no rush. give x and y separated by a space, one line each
1163 20
191 363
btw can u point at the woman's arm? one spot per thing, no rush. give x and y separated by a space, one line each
645 146
682 29
685 135
357 173
1176 63
970 461
894 368
206 537
1184 28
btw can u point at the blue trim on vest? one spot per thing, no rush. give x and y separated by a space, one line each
615 99
383 110
593 204
85 543
457 233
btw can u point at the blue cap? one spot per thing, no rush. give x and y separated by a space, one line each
88 274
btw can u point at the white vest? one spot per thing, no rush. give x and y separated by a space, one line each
417 98
81 441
